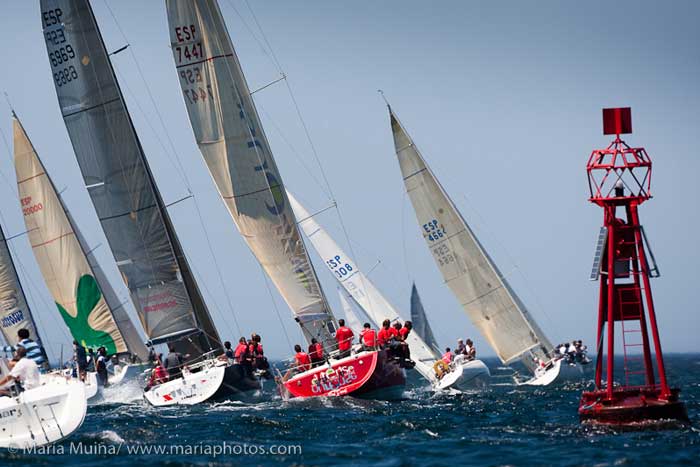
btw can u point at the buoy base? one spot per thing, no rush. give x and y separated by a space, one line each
631 407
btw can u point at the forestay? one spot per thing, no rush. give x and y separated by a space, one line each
14 311
85 299
421 325
231 138
467 269
128 204
360 288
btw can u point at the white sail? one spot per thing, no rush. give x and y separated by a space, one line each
467 269
421 325
118 177
85 299
232 141
353 318
360 288
14 311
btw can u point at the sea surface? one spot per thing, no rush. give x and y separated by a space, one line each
505 425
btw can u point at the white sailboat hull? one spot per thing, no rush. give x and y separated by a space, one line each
465 375
43 415
559 372
190 389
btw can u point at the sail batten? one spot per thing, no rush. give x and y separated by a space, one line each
61 252
233 143
122 188
466 267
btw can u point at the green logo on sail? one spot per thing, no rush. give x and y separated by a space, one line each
87 295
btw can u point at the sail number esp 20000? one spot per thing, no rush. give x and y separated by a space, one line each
61 53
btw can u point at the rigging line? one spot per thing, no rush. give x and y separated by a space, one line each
295 153
264 36
269 84
269 54
274 306
310 141
181 171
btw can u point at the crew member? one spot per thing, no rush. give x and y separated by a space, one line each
241 352
461 348
447 356
368 337
470 350
34 350
344 337
403 334
101 367
25 371
228 352
80 357
315 353
301 360
173 362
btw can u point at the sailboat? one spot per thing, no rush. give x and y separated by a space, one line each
84 297
132 212
471 274
230 136
377 307
44 414
464 374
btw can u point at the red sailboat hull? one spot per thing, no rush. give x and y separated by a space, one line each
371 375
633 406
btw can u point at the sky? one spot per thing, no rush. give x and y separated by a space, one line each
503 99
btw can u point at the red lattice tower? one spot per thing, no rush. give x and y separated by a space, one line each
619 179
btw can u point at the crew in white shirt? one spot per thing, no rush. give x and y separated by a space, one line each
25 371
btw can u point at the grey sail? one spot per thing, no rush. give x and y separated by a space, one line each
470 273
14 311
231 139
421 326
117 175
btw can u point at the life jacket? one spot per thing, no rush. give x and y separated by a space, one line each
303 361
447 357
241 352
316 352
369 337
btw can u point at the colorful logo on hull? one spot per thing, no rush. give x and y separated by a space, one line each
87 295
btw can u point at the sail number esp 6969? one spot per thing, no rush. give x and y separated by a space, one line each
61 53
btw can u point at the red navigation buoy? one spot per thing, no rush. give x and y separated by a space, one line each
619 179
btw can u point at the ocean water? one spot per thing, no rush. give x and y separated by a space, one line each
505 425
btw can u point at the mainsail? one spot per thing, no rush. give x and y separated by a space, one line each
130 208
230 136
14 311
421 326
84 297
360 288
481 289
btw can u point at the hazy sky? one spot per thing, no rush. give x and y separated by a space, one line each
502 98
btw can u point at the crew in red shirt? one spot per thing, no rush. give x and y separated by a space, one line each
386 334
302 362
368 337
447 356
315 352
405 330
241 352
344 337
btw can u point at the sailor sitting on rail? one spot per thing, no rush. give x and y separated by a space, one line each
24 371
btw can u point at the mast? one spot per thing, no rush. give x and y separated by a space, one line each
468 270
232 141
85 299
120 182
